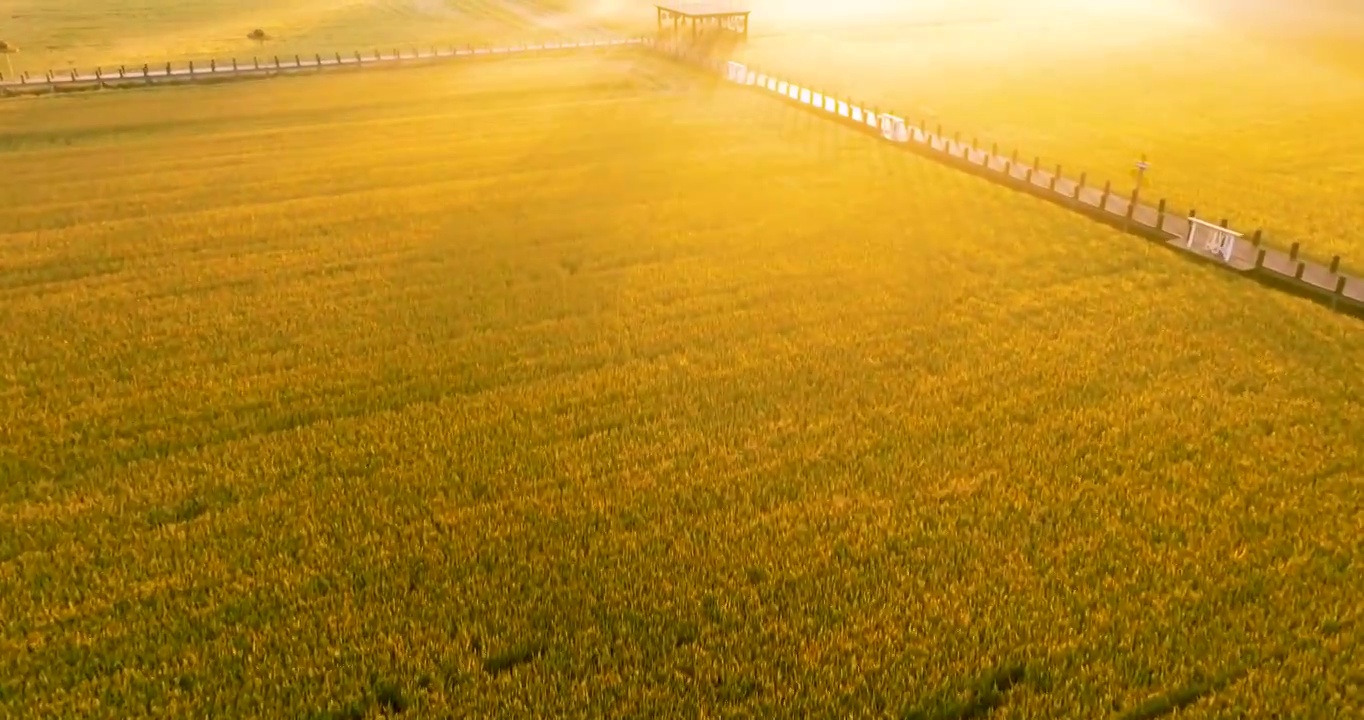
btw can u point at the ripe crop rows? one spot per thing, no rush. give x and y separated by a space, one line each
589 387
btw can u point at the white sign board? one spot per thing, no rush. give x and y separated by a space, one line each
1214 239
894 129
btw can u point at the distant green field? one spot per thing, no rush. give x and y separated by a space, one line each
56 34
1248 111
593 388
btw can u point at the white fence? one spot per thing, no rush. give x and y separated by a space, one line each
892 127
1319 281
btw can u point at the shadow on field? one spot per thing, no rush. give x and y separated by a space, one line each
976 700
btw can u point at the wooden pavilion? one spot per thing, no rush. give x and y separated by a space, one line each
704 17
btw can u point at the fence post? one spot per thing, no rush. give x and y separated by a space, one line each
121 71
234 66
1260 259
191 68
1293 252
338 58
1054 177
1256 238
1132 206
1108 190
168 69
1160 215
1080 186
1297 274
358 59
73 75
213 66
256 62
276 62
146 72
297 61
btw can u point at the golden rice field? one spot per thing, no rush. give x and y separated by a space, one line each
592 387
1246 109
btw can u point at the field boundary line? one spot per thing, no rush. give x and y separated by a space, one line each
272 66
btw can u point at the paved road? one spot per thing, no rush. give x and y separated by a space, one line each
264 66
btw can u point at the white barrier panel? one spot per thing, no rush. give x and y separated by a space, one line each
772 84
817 99
793 92
856 114
762 80
751 79
843 108
805 95
871 118
735 72
830 105
782 87
893 129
